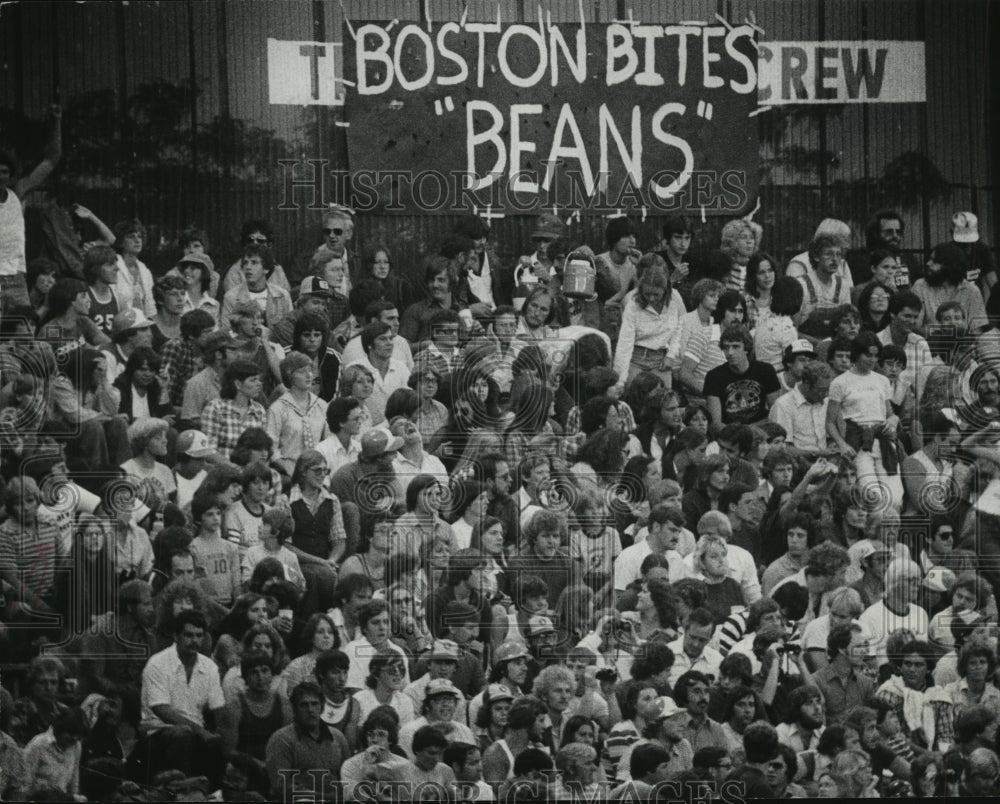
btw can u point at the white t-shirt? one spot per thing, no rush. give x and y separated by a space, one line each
862 398
12 261
260 298
628 564
879 622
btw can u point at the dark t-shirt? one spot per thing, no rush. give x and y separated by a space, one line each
744 396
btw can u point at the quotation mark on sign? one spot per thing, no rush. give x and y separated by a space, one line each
705 110
449 106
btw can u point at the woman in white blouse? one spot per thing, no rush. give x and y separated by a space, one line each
649 336
135 283
296 421
776 331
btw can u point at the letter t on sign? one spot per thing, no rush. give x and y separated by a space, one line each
313 53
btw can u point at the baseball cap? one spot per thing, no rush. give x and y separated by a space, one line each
499 692
194 443
196 258
864 548
964 227
667 707
442 686
538 625
314 286
940 579
444 649
128 320
378 442
508 651
800 347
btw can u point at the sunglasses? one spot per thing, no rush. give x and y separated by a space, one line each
336 232
257 239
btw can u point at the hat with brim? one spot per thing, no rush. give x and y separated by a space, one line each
128 321
378 442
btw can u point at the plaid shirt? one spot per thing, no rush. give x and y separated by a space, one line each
223 423
181 361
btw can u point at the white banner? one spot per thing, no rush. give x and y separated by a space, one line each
304 73
841 72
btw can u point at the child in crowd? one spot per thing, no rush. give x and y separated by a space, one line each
219 558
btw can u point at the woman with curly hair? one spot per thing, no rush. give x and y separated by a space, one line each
602 458
177 596
261 637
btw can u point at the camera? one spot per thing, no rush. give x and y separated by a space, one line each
790 650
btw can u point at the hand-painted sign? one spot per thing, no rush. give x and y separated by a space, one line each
521 118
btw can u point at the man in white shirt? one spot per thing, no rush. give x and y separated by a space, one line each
802 411
384 312
897 610
344 417
178 685
387 373
826 281
412 459
904 311
665 524
692 651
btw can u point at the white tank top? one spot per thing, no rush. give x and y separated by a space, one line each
11 236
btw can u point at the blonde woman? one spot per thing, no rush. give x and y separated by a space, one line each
724 595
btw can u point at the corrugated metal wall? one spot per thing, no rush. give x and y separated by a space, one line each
167 115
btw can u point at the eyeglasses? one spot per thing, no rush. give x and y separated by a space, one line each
322 470
257 239
336 232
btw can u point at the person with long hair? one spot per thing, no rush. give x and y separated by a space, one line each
945 280
379 266
649 335
372 556
658 611
139 386
777 330
134 286
602 458
488 540
491 719
762 274
260 637
318 635
873 303
90 583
